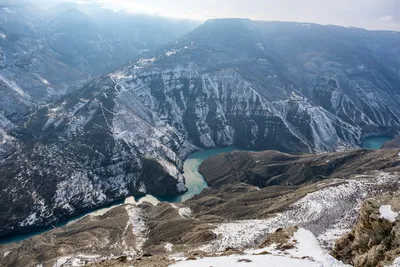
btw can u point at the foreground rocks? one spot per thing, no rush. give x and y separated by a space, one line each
375 240
226 220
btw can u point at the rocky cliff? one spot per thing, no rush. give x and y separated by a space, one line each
375 239
228 82
45 54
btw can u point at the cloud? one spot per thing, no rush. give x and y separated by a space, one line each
387 18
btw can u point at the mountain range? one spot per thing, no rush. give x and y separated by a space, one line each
292 87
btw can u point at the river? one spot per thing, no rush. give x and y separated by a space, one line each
375 142
194 182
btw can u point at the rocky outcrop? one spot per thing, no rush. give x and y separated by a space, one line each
224 221
375 240
268 168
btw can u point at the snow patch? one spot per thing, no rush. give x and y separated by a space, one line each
12 85
185 212
306 252
170 53
168 247
139 229
396 263
43 80
322 212
387 213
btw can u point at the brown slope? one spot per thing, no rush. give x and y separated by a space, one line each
268 168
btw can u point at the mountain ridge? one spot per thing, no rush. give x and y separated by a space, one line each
245 85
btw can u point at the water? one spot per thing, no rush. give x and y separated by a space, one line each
23 237
194 182
375 142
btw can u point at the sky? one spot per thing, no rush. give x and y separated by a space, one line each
369 14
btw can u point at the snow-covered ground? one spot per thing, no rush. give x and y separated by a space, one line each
328 213
305 253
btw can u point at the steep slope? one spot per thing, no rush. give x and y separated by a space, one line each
87 150
47 54
237 219
257 85
270 168
265 85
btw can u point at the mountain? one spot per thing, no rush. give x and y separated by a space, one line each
257 85
238 220
45 54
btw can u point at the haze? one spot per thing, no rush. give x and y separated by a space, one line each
369 14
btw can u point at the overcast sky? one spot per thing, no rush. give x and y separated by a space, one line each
370 14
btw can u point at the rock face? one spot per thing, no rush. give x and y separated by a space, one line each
88 150
226 220
375 240
270 168
45 54
229 82
244 83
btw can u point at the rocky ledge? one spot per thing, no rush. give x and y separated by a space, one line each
375 240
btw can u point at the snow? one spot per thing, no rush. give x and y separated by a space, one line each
139 229
185 212
14 87
317 211
170 53
387 213
328 213
43 80
396 263
77 260
308 245
256 261
168 247
306 252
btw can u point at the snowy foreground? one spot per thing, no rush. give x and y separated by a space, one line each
305 253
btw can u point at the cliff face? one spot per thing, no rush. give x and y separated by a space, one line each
256 85
86 151
45 54
375 240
